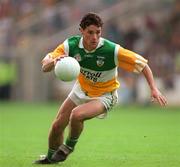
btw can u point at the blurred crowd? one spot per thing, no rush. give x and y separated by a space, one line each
43 17
158 40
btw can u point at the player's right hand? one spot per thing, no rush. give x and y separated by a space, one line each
58 59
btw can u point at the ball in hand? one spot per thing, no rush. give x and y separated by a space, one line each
67 69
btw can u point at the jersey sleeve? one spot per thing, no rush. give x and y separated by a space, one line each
61 50
130 61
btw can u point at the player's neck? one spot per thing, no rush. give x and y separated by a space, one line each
88 47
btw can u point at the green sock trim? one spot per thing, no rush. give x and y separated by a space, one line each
50 153
71 142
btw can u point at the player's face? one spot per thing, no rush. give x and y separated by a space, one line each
91 35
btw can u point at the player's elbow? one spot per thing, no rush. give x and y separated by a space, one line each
47 64
46 68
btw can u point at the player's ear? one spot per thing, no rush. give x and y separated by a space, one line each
81 30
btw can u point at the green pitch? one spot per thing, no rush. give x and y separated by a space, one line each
131 136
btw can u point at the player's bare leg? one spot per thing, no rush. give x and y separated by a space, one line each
82 113
77 118
60 123
57 130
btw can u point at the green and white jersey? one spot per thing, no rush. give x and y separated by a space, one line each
99 67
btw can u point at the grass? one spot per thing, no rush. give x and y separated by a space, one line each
131 136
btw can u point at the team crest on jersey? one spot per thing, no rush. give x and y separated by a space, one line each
78 57
100 61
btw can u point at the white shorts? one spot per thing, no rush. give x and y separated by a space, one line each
78 96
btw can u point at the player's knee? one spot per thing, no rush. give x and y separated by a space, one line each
56 127
76 116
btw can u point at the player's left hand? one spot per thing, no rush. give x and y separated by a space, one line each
157 96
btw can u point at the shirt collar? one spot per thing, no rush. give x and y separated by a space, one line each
101 43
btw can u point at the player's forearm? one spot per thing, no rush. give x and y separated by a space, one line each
149 77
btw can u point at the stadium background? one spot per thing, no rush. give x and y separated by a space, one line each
136 134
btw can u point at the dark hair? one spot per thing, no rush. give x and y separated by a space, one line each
91 19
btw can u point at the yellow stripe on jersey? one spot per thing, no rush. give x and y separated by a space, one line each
99 88
58 52
130 61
